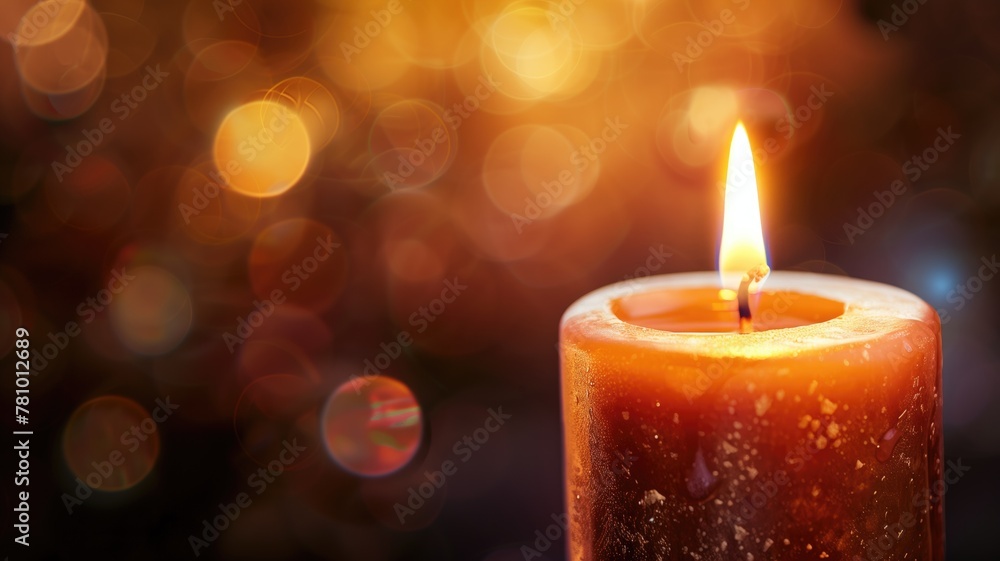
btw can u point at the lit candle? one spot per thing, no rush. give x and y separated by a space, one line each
812 431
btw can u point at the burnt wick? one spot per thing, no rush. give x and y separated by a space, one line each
750 279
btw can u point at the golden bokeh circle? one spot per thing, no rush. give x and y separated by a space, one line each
263 147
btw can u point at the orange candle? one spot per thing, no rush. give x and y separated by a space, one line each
813 434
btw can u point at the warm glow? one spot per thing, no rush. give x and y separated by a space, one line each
742 245
263 148
542 56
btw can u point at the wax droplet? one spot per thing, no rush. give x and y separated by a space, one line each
652 496
625 415
768 543
700 481
740 532
762 404
859 465
812 387
887 445
833 429
827 407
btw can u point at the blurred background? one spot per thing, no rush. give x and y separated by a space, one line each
295 255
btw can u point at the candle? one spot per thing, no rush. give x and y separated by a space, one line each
811 432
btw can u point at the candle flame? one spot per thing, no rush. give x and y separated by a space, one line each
742 247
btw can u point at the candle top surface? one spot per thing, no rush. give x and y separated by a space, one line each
796 311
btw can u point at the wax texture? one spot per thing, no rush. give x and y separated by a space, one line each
818 442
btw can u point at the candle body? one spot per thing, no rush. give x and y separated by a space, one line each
817 441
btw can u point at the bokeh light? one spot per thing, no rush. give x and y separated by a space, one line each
154 314
534 171
111 443
263 147
372 426
313 103
529 150
411 144
533 56
62 49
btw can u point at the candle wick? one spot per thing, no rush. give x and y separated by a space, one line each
750 279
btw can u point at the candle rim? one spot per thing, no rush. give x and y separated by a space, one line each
872 310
